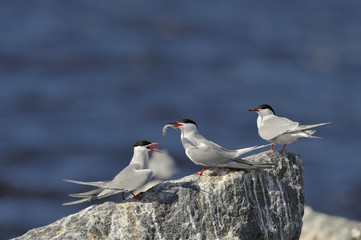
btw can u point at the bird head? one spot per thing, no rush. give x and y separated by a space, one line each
263 109
181 125
146 145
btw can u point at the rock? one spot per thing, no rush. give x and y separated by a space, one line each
221 204
319 226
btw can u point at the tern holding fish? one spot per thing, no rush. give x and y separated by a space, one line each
209 154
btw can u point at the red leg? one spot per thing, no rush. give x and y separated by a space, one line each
201 171
136 197
271 148
123 195
283 147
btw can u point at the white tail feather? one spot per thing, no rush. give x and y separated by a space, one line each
242 151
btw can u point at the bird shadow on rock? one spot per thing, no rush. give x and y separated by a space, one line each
169 192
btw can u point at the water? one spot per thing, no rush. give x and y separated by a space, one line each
82 81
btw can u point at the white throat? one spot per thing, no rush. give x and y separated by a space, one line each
262 114
140 157
190 137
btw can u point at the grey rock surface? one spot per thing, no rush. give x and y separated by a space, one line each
221 204
319 226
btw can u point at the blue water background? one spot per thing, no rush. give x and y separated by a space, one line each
83 80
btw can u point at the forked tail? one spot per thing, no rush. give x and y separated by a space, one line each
242 151
95 184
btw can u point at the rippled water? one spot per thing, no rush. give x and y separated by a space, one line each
82 81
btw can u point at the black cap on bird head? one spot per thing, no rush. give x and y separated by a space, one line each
147 144
266 106
142 143
187 121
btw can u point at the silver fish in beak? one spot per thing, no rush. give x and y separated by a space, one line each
169 125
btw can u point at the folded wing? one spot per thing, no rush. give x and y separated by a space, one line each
275 126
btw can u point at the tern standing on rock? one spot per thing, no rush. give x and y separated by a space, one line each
134 176
209 154
280 130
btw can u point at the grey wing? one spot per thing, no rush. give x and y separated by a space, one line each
208 155
96 184
214 145
252 163
276 126
131 178
305 127
97 193
245 164
241 151
83 200
90 193
85 196
106 188
108 184
108 192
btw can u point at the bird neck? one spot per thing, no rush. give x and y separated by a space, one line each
259 121
189 133
262 115
191 138
141 158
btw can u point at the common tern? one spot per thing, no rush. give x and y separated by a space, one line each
209 154
280 130
133 177
163 167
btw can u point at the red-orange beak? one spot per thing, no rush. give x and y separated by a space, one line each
175 124
153 149
254 110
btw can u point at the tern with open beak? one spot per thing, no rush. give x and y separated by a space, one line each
133 177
